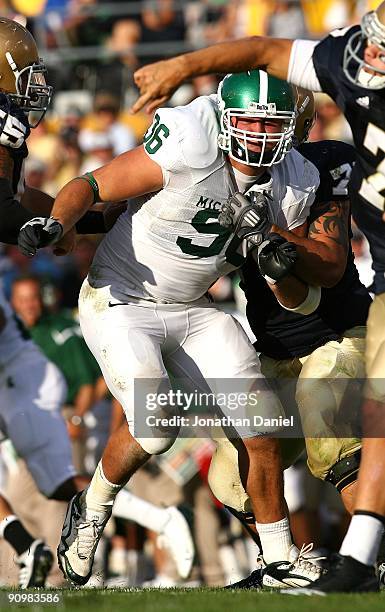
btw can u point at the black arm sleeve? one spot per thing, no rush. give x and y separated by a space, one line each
12 214
91 223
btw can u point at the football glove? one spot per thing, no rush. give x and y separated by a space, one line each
276 258
14 126
249 219
37 233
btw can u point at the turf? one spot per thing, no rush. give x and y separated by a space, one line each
204 600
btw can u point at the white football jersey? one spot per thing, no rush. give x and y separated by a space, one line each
172 248
13 337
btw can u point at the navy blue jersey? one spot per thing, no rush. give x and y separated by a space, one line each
364 109
18 172
282 334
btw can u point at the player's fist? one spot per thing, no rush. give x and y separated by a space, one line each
276 258
37 233
14 126
249 219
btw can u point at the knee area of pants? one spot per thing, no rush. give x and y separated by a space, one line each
155 446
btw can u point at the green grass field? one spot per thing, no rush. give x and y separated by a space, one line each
200 600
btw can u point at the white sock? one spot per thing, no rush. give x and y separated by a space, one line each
100 493
276 540
363 539
132 508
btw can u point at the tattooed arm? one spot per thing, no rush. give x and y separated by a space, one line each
322 254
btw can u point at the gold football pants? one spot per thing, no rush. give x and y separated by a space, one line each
322 383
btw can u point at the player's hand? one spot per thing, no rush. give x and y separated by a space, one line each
276 258
157 82
66 244
75 432
249 219
37 233
14 126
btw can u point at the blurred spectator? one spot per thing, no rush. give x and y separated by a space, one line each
42 143
161 22
98 147
115 75
250 18
209 21
287 20
85 26
43 264
6 9
72 118
334 124
67 160
321 16
105 119
58 336
35 172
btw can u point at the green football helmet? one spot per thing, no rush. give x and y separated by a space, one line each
252 95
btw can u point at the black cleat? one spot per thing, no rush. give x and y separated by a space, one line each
254 581
346 575
381 575
35 564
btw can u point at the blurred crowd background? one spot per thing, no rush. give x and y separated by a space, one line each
91 49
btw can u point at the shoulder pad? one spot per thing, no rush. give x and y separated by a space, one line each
327 154
339 32
334 160
184 136
303 174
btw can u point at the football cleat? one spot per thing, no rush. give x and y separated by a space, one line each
81 533
176 538
346 575
35 564
299 571
381 575
254 581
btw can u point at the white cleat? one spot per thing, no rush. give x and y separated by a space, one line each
176 538
80 537
35 564
300 571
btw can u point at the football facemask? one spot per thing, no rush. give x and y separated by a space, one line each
256 96
354 65
32 92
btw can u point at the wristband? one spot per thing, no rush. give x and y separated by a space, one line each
310 303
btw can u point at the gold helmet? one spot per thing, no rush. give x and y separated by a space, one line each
21 69
356 69
305 114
